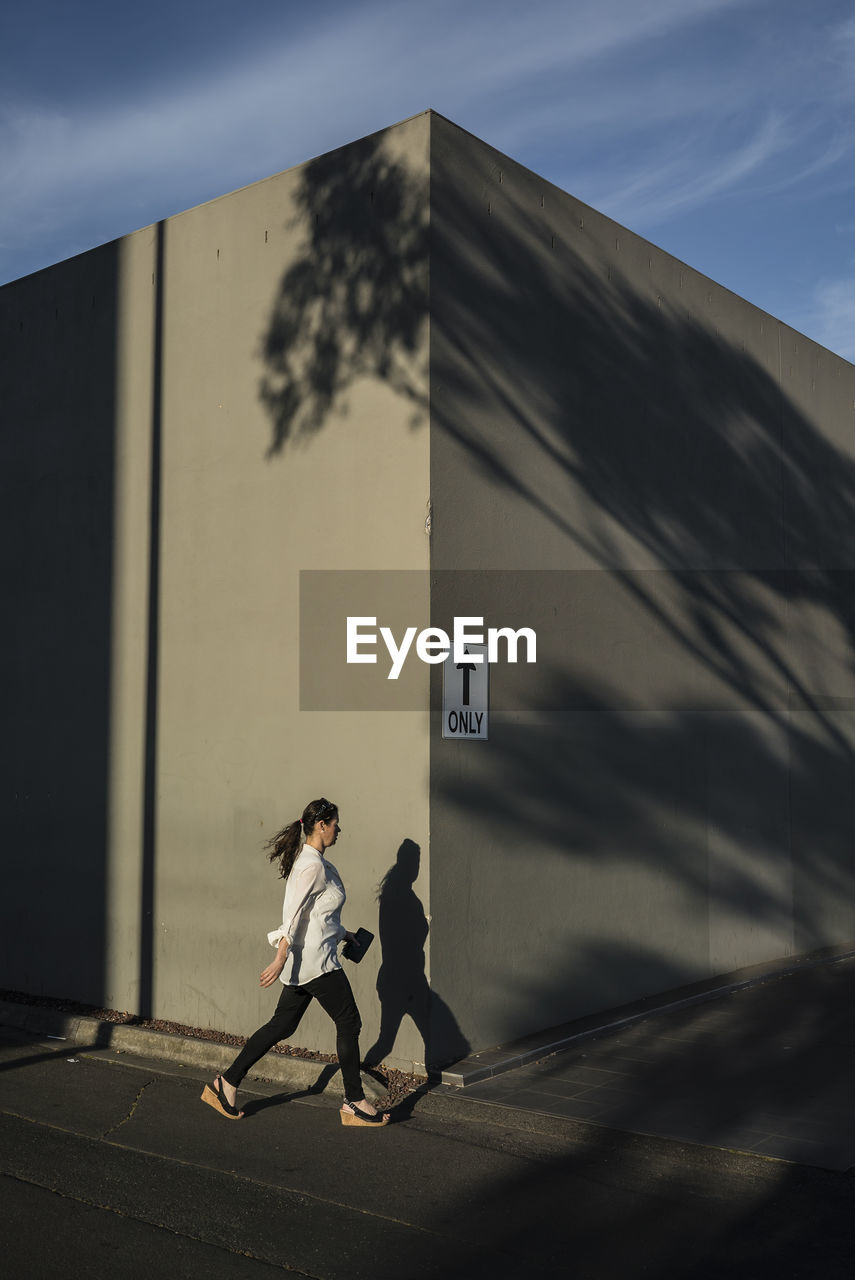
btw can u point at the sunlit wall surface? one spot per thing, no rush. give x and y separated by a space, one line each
192 416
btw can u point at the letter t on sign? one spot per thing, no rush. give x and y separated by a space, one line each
466 667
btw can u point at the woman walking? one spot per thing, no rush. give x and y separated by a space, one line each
306 963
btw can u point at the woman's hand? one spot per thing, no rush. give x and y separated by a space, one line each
272 972
348 937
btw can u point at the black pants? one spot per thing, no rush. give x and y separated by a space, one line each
332 992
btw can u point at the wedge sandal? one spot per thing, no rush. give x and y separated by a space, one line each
214 1096
351 1113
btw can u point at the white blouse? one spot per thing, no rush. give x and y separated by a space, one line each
314 897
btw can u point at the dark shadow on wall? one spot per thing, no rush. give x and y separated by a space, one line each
354 303
145 1005
653 840
57 480
625 428
610 417
402 986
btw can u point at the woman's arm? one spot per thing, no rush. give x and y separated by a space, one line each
299 892
273 970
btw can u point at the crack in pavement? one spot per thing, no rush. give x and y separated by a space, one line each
130 1114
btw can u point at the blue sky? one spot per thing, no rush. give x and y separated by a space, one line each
722 130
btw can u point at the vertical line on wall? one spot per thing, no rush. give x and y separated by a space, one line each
146 963
787 563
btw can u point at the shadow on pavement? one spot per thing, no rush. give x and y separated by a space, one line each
255 1106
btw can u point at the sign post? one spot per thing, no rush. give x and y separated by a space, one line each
466 695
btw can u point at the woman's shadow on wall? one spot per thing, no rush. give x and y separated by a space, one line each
402 985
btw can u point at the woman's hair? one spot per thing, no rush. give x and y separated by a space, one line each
285 845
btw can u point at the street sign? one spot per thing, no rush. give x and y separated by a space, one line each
466 694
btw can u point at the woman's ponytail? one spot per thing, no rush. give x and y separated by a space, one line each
285 845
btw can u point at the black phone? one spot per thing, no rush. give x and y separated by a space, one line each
354 951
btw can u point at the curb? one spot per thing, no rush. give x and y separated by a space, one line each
146 1042
94 1035
302 1073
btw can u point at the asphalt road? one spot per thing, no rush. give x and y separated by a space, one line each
112 1166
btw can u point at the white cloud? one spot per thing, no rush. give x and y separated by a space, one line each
508 43
678 183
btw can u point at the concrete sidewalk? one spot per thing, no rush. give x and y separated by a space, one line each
768 1069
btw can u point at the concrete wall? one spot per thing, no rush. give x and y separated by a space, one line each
651 472
220 402
665 796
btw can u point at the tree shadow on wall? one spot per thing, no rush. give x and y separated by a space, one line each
612 425
643 436
622 431
354 303
402 985
662 441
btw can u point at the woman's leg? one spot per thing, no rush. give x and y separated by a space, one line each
332 992
290 1009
